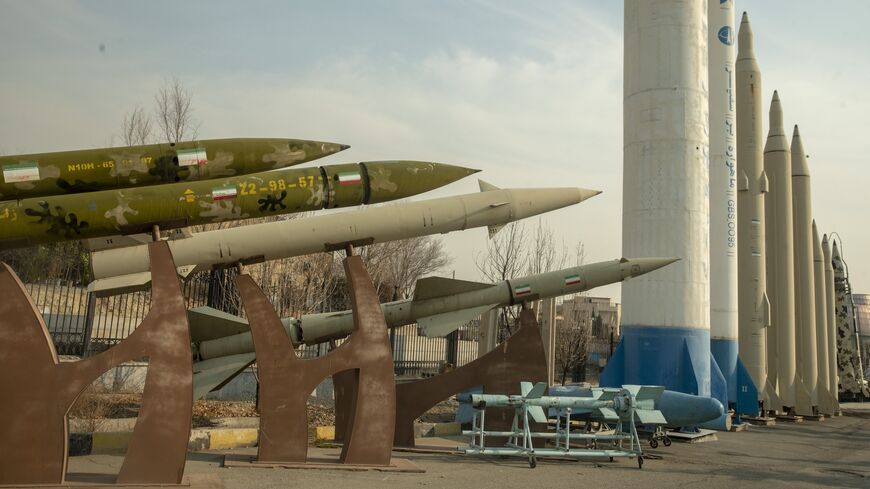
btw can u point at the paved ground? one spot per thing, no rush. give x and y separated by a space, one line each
832 453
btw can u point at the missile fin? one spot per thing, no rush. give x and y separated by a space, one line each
432 287
133 282
537 391
764 308
742 181
122 241
443 324
537 414
525 388
650 416
207 323
764 184
493 230
607 413
214 373
486 186
645 392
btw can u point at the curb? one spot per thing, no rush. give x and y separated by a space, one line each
200 439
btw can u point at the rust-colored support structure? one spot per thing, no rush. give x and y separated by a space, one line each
519 358
286 381
39 391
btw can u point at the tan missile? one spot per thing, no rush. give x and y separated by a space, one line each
826 404
779 236
753 305
830 304
127 268
806 357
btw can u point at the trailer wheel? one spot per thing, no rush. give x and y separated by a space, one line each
640 461
667 441
653 443
533 462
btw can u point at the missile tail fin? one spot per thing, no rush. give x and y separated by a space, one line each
207 323
537 391
444 324
432 287
537 414
212 374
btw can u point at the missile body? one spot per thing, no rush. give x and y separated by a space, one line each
666 204
752 185
492 207
679 409
830 304
723 194
136 210
826 404
66 172
804 281
780 252
439 305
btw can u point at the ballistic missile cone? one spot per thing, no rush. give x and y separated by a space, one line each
137 210
826 403
126 268
780 253
830 304
804 281
67 172
439 306
753 305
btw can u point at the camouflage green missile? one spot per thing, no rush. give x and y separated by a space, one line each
109 213
89 170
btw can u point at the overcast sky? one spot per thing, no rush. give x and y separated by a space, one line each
529 92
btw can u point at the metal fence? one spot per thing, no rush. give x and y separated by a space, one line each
82 324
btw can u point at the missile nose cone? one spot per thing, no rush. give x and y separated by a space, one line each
633 267
588 194
799 166
745 49
796 133
344 146
744 18
391 180
776 95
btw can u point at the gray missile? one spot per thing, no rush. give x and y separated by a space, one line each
439 306
126 268
825 404
804 281
830 304
779 235
753 304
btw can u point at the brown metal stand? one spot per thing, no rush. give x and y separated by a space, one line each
286 381
519 358
38 390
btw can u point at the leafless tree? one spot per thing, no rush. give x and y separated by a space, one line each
544 254
396 266
572 341
136 128
174 111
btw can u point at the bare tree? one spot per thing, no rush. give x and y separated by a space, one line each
396 266
572 340
544 254
174 111
136 128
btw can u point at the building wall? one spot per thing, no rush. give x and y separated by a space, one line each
584 310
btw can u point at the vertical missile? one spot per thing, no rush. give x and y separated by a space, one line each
753 305
805 299
821 294
780 251
830 301
723 194
666 314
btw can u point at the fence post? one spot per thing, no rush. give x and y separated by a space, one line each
89 323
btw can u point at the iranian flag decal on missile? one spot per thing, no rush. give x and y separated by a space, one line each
572 279
524 289
224 193
348 177
192 156
26 171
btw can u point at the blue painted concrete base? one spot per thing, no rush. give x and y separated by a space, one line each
747 392
724 351
677 358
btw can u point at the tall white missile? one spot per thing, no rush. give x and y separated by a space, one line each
666 314
804 282
780 252
830 304
723 193
825 404
752 185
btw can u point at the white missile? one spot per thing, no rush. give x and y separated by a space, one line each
804 281
439 306
126 268
780 252
752 185
830 304
826 403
